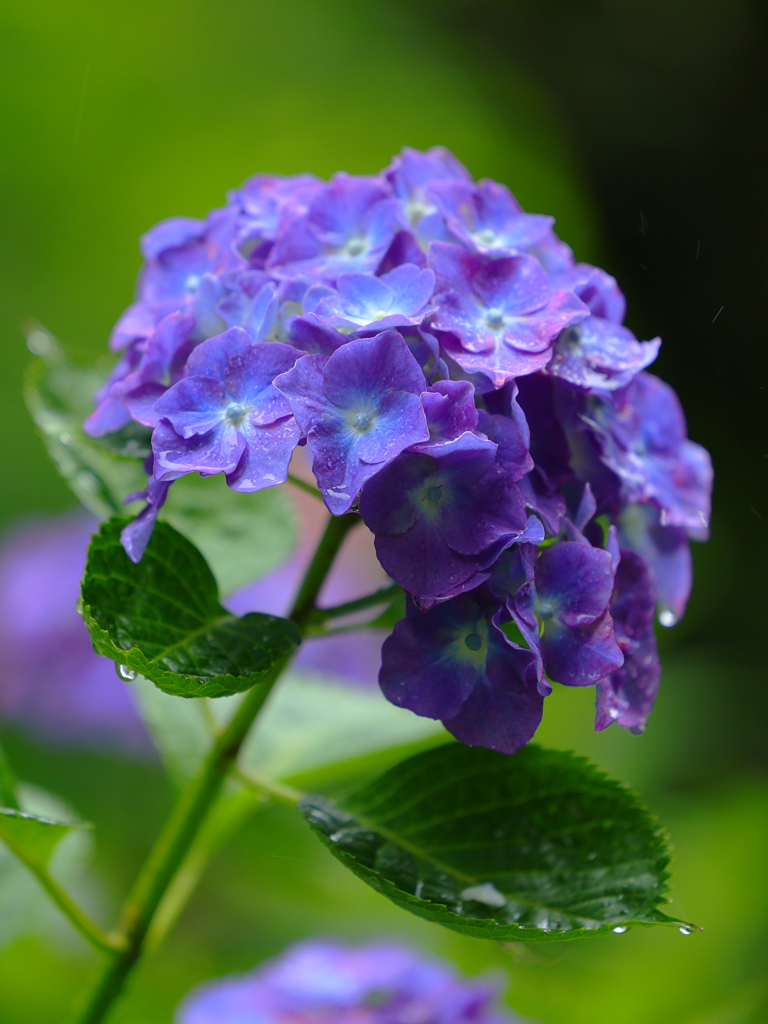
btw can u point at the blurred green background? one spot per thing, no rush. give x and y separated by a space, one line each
640 125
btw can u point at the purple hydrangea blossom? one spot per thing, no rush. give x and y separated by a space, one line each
454 663
348 227
161 362
487 219
321 981
411 176
598 353
667 552
52 683
225 416
442 517
626 696
642 435
421 334
268 203
503 312
358 409
561 608
364 301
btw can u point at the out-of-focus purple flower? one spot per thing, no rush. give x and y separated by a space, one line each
595 287
322 981
667 551
364 301
251 304
487 218
561 608
442 518
627 695
601 354
348 227
454 663
503 312
309 334
179 254
225 416
133 396
268 202
358 409
643 440
410 175
51 681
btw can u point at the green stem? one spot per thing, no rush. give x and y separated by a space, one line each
381 596
281 791
88 928
176 838
304 486
8 783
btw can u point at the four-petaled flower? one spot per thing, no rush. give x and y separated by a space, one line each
503 312
225 416
358 409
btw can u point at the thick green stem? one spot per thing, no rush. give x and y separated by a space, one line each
179 832
8 783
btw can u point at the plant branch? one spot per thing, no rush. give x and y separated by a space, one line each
304 486
279 790
77 918
188 816
381 596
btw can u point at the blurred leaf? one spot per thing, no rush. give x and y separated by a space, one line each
311 722
534 847
162 618
101 472
392 613
309 725
241 536
30 837
24 905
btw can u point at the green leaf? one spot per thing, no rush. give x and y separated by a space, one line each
31 837
241 536
534 847
162 618
100 471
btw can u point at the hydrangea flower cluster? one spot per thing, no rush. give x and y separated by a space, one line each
464 384
322 981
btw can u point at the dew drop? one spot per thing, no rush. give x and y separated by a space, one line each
64 437
591 855
667 617
621 929
125 673
685 931
38 343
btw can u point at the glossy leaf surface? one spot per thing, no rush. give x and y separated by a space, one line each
162 618
533 847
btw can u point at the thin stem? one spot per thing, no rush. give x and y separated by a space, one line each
79 920
178 835
8 783
379 597
279 790
335 532
298 482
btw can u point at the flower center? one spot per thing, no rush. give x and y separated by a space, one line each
495 319
486 237
355 246
361 420
192 281
433 494
235 414
473 641
546 611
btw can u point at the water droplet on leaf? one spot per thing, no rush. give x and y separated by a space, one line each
125 673
685 931
621 929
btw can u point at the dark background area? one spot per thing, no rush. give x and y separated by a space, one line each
640 124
